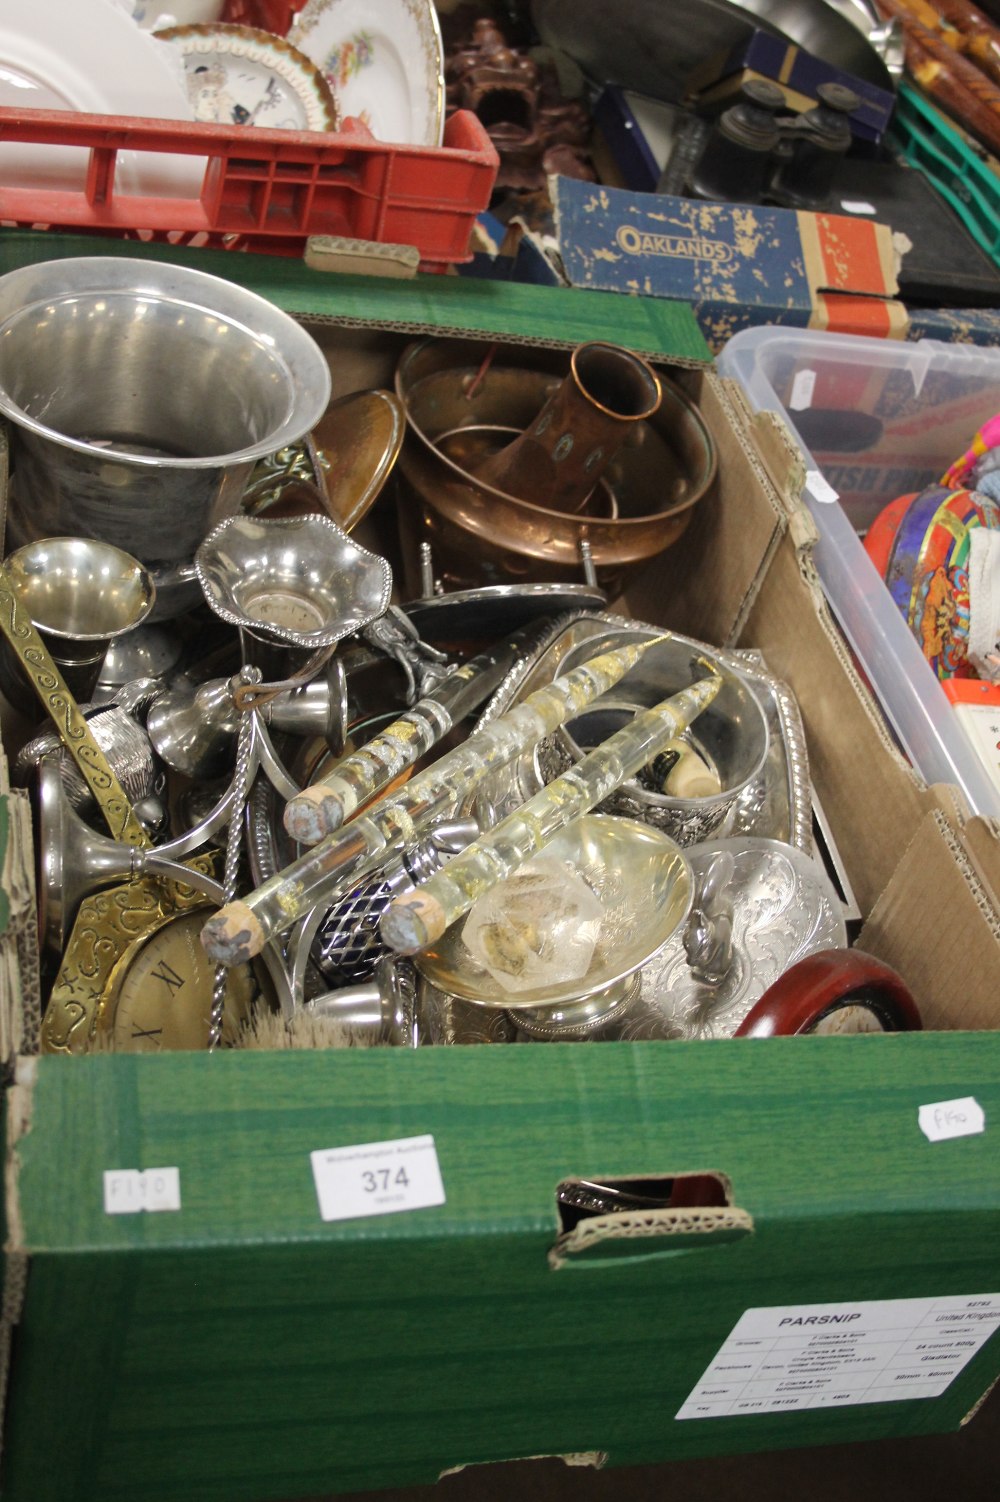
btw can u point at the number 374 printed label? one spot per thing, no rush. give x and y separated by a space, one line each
377 1178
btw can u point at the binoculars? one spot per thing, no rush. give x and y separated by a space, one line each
757 152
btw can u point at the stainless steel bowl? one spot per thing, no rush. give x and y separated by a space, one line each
80 590
140 396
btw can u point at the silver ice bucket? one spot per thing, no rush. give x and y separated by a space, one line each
141 395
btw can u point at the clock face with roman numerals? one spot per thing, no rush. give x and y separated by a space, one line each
162 994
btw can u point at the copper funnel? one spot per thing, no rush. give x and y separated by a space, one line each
458 415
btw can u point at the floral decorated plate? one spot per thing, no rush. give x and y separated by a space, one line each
237 75
384 61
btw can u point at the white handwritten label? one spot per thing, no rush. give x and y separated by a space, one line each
784 1359
952 1118
377 1178
981 723
803 387
819 487
129 1190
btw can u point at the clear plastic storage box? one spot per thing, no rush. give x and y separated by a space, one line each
876 419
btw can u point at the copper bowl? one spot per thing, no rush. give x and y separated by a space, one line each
479 535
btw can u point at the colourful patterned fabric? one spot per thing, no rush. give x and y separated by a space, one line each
987 438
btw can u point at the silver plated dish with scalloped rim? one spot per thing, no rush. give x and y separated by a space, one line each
296 580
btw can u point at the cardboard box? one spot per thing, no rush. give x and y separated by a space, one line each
798 74
509 253
243 1348
655 148
737 265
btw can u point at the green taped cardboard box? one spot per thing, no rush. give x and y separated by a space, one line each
243 1348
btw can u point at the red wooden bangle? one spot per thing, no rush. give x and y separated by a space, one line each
823 982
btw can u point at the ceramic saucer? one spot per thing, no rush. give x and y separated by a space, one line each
384 61
238 75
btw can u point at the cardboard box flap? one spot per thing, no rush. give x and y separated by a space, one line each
781 457
871 795
20 989
556 317
17 1109
981 841
952 963
707 588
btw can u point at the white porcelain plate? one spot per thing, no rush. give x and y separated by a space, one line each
384 61
90 55
238 75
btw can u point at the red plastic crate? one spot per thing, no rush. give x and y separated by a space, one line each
264 190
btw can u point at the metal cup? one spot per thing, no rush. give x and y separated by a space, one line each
141 395
80 595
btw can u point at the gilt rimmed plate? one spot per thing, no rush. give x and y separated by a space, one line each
383 59
238 75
